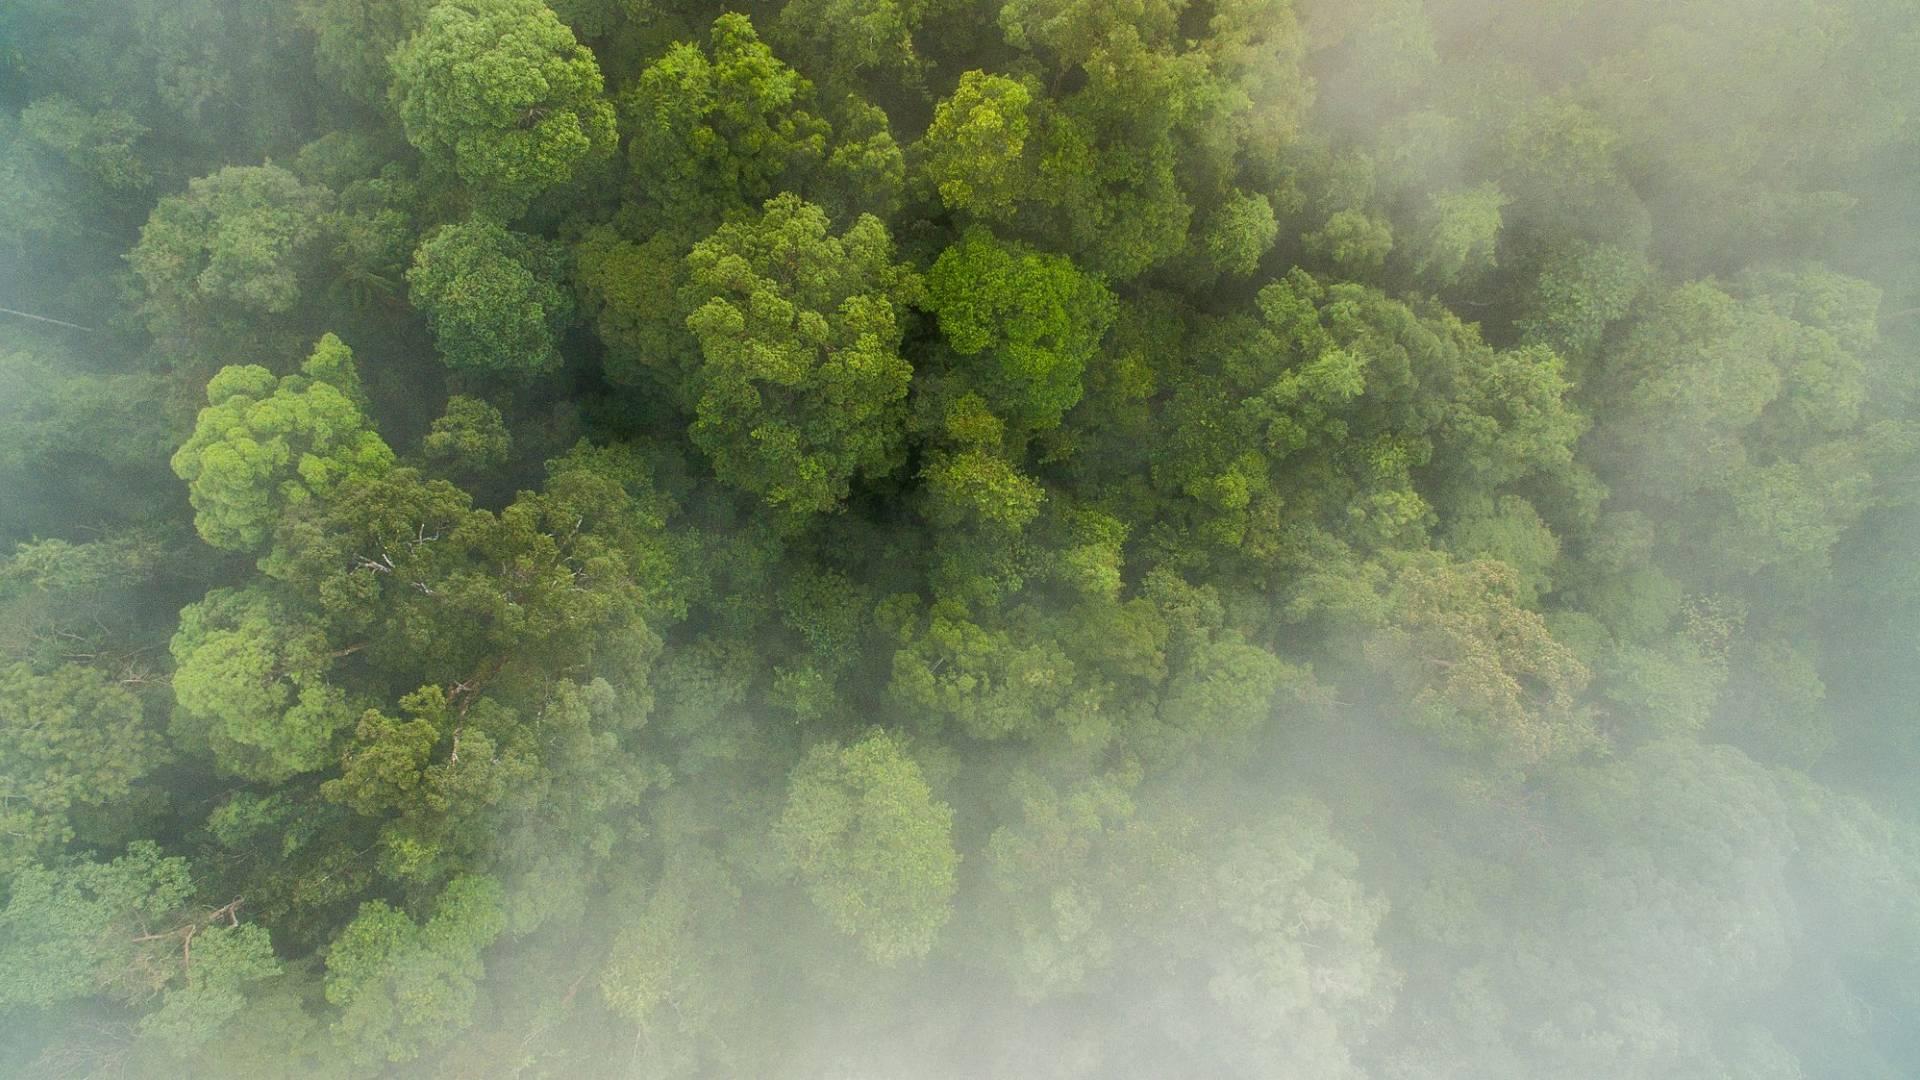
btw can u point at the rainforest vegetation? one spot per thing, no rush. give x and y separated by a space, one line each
1297 539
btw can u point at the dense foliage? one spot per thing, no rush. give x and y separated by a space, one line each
953 538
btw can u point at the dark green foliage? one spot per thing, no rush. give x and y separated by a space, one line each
491 297
230 257
1350 539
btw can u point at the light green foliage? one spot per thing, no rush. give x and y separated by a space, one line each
990 681
1233 237
492 297
852 39
974 151
558 579
1578 294
871 845
1075 31
1727 412
1775 704
77 443
1511 418
1286 935
437 804
676 969
404 986
1060 538
499 92
1107 160
801 386
1335 402
70 740
723 128
263 446
1033 319
382 770
974 477
1458 235
1221 691
251 685
1257 49
1355 243
1045 871
228 963
1508 530
69 930
867 171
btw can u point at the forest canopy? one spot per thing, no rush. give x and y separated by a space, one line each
1322 539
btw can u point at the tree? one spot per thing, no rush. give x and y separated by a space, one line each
69 928
1459 233
97 144
71 742
471 436
851 40
500 93
353 38
404 986
721 129
264 445
1475 669
492 298
630 291
233 255
871 846
974 152
800 386
1286 935
1033 319
128 930
1726 412
250 683
78 445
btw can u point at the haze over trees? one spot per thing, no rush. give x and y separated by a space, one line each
934 538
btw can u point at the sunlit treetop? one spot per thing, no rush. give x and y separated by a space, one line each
264 444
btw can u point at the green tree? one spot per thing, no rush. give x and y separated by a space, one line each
871 845
974 152
1033 319
470 436
127 930
719 129
67 931
492 297
250 684
233 255
1475 669
263 445
630 291
800 386
404 986
353 38
71 743
500 93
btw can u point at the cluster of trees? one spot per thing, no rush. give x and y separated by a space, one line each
1052 538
